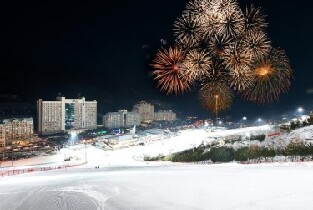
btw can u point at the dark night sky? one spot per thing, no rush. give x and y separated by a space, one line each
102 49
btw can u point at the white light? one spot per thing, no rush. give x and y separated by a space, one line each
300 109
244 118
259 120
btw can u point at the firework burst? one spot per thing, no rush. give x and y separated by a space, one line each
188 30
168 70
231 23
224 49
221 6
254 19
241 79
256 44
199 8
272 75
216 96
197 64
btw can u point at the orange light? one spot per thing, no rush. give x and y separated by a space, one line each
263 71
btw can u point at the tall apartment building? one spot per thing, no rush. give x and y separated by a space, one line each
66 114
164 115
122 118
145 110
14 130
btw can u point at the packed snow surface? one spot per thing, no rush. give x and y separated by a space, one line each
180 186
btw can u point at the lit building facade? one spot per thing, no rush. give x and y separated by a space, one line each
122 118
112 120
2 135
145 110
132 118
66 114
164 115
15 130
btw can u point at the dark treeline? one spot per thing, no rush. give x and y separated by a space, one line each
295 151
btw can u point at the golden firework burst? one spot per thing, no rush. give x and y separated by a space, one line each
272 75
168 70
216 96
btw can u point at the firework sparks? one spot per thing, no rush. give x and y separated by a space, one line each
221 6
168 71
216 72
216 96
256 44
232 23
188 30
199 8
219 44
272 76
254 19
197 64
241 79
236 58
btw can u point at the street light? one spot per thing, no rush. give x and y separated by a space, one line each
244 118
300 110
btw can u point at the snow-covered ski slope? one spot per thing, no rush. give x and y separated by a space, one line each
180 186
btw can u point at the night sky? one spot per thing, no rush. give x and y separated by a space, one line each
102 50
